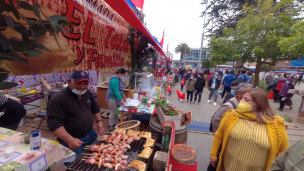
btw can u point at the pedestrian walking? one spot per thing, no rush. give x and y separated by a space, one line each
227 82
284 95
250 137
299 79
276 89
190 88
182 83
176 72
189 74
214 83
199 86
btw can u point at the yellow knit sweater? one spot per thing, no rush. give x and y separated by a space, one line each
276 131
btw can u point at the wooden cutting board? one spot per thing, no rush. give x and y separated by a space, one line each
183 154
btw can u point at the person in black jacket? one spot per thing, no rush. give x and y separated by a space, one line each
12 112
213 85
199 86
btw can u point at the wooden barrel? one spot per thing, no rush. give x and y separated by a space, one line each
156 128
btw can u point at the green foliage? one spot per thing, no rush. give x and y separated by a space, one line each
182 48
29 46
208 63
256 36
288 118
294 44
167 108
140 55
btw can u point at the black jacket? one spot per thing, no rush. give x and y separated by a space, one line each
13 113
217 81
200 83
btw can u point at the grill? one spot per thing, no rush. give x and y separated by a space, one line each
136 148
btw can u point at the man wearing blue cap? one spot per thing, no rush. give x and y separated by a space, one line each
70 114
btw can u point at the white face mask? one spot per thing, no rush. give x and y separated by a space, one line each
191 77
79 93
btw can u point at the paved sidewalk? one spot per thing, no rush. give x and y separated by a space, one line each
203 112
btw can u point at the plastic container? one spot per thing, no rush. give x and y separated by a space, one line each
9 150
135 96
23 90
149 103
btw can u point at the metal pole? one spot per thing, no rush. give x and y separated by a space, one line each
202 41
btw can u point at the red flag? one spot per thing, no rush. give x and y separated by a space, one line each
21 82
167 48
138 3
162 40
60 76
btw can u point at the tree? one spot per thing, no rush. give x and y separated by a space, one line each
16 49
294 45
182 48
256 36
224 14
208 63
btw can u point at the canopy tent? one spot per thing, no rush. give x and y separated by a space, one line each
297 63
124 9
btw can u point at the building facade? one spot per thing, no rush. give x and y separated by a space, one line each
193 57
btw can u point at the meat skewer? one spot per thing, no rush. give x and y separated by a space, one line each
109 155
116 161
99 163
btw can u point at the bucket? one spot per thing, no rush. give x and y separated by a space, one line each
156 128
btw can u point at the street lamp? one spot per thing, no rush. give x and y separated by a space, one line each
203 34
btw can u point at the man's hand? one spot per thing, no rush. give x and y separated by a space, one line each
124 97
74 143
213 162
122 102
100 127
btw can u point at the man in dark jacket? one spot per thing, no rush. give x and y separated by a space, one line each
213 85
234 84
299 79
227 82
11 113
199 86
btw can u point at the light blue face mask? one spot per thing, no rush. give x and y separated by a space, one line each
121 78
216 73
77 92
287 82
232 93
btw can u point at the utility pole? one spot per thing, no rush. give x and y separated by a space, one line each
203 34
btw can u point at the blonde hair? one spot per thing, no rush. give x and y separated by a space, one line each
260 98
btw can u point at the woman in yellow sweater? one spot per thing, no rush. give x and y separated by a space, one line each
251 136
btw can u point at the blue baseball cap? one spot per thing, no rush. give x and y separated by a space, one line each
80 76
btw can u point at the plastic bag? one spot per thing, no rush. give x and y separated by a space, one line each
270 95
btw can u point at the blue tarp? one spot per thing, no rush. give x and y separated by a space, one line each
297 63
199 126
194 65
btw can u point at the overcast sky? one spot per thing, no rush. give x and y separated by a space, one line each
180 19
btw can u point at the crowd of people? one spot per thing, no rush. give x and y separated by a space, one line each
248 134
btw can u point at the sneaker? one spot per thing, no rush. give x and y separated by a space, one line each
208 101
280 109
214 103
111 128
193 102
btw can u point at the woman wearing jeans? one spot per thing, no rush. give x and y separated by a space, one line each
115 96
214 83
190 87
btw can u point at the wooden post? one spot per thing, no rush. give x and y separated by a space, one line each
121 116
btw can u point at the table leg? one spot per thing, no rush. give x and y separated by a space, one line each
121 116
42 104
129 116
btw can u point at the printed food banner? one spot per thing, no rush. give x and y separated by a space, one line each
99 42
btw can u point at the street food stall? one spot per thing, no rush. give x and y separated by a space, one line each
97 45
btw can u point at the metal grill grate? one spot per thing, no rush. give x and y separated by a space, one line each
137 146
